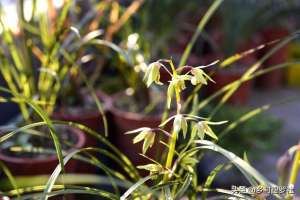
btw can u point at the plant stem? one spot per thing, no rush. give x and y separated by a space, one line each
172 140
172 144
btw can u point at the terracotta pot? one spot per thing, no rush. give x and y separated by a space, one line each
274 79
91 119
223 77
253 42
126 121
40 166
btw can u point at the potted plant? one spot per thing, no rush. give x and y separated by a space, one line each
274 79
225 41
266 14
128 114
22 163
173 175
225 76
190 135
293 73
33 70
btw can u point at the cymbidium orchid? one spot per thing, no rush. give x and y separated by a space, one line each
152 74
200 126
199 77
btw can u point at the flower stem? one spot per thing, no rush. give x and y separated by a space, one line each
172 144
172 140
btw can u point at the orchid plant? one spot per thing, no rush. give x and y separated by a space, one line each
178 162
176 171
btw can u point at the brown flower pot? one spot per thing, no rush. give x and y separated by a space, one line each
222 78
225 76
21 166
91 119
274 79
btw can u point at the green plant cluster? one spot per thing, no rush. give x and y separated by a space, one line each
66 52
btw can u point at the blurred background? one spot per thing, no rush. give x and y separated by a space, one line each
150 30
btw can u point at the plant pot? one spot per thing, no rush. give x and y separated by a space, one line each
126 121
274 79
91 119
223 77
293 72
21 166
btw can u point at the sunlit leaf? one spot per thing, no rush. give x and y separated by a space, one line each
136 186
210 179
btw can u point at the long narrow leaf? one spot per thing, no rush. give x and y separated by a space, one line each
200 28
245 168
136 186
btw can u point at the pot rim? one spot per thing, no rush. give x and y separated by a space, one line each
87 115
80 143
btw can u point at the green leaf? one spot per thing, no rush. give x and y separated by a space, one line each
199 30
245 157
189 161
184 127
166 121
210 179
34 192
167 191
130 169
194 132
248 171
10 177
136 186
184 186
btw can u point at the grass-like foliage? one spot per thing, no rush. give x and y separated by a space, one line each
172 175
